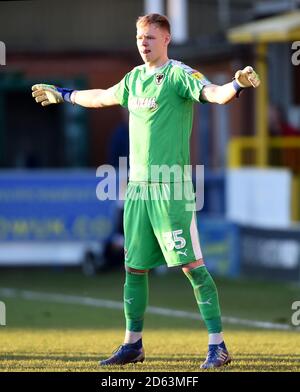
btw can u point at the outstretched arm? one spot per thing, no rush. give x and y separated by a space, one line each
225 93
47 94
94 98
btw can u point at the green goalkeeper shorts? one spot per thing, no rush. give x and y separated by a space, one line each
160 225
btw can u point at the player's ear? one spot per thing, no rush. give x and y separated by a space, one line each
167 39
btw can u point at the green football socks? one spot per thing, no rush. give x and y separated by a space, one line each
207 298
135 300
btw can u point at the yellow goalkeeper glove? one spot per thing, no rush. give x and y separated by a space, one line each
247 77
47 94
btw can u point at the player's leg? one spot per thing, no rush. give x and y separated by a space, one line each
176 229
135 303
142 252
206 295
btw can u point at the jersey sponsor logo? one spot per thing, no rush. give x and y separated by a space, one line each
142 103
159 78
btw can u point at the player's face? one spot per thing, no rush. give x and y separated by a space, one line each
152 43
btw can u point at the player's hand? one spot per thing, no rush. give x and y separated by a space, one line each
46 94
247 77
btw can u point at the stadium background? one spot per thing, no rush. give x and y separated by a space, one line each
53 227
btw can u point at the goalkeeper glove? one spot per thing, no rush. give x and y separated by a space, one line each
247 77
46 94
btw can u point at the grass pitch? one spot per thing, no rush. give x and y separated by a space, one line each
47 336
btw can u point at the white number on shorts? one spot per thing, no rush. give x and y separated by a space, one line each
174 240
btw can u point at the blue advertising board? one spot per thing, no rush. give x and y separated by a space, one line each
219 241
56 205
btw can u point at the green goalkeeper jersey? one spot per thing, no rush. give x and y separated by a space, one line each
160 107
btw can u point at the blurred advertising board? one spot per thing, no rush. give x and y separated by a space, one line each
219 244
51 215
270 253
259 197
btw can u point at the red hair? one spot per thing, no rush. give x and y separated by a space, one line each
160 20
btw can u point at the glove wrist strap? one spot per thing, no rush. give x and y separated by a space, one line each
65 93
237 87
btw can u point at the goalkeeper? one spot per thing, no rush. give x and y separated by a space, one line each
159 95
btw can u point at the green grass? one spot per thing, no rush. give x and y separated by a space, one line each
45 336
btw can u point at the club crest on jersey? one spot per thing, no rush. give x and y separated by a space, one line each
159 78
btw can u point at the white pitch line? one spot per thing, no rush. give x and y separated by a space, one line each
104 303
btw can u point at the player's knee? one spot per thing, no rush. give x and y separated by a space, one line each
192 265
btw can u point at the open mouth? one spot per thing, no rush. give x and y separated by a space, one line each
146 51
